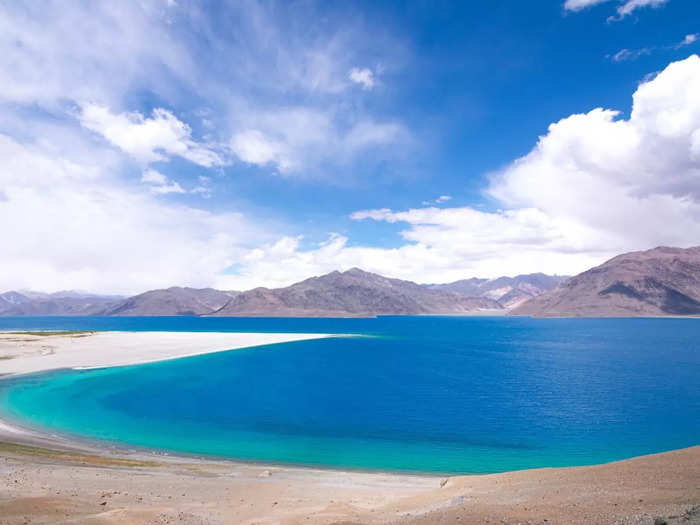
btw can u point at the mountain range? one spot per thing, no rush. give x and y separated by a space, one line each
59 303
509 292
662 281
353 293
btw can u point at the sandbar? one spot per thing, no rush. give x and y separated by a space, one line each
29 352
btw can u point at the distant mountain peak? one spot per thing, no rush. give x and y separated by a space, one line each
357 271
660 281
509 292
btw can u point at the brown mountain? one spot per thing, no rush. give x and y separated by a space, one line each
662 281
353 293
59 303
510 292
171 301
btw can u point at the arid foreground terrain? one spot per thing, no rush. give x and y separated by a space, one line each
52 482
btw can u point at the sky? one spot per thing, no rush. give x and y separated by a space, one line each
148 144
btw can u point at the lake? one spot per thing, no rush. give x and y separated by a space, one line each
425 394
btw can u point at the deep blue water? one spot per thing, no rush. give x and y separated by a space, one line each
442 394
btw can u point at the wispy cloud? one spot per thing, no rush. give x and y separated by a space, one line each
577 5
159 183
630 6
440 200
633 54
275 64
630 54
688 40
626 7
294 138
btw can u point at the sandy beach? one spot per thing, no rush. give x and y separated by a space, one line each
28 352
48 479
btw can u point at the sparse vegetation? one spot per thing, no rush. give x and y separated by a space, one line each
72 333
76 457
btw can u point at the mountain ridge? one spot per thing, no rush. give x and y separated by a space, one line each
657 282
351 293
510 292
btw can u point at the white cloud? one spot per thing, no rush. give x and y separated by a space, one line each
203 188
172 187
363 76
627 54
74 214
440 200
626 7
594 185
368 133
77 226
51 50
296 139
148 139
159 183
633 54
688 40
577 5
152 176
254 147
111 54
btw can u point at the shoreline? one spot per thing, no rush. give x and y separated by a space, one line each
107 484
47 474
46 477
179 345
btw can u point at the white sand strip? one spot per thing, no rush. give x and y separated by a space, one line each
24 353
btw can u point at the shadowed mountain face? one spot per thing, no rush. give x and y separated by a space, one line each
662 281
352 293
171 301
59 303
510 292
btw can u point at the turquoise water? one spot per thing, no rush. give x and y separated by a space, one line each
433 394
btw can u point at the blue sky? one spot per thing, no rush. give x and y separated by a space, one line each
236 144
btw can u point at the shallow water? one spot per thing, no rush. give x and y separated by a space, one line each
435 394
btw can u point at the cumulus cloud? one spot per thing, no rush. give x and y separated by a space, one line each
148 139
363 76
593 186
